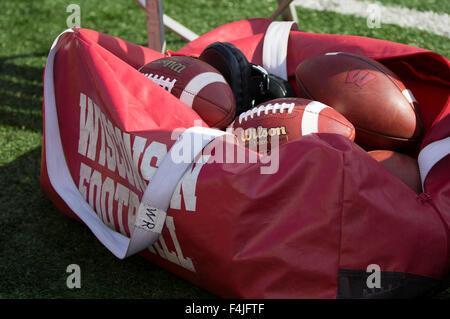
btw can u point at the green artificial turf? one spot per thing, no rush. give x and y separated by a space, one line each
335 23
37 242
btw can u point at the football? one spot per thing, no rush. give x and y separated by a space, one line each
287 119
403 166
383 111
197 84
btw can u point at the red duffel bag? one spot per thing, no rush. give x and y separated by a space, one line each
321 219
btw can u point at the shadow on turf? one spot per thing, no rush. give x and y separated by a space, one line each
21 92
38 243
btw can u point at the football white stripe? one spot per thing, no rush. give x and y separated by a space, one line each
310 119
409 96
197 83
431 154
275 47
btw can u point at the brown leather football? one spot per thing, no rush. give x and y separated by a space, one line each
287 119
383 111
197 84
403 166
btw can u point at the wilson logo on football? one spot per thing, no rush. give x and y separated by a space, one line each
261 133
359 77
173 65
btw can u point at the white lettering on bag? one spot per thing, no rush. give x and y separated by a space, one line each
135 160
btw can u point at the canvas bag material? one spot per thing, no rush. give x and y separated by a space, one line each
309 230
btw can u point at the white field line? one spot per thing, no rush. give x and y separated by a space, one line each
437 23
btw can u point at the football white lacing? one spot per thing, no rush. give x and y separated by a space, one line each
266 109
164 83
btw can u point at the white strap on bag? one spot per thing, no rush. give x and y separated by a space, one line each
431 154
155 201
275 48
